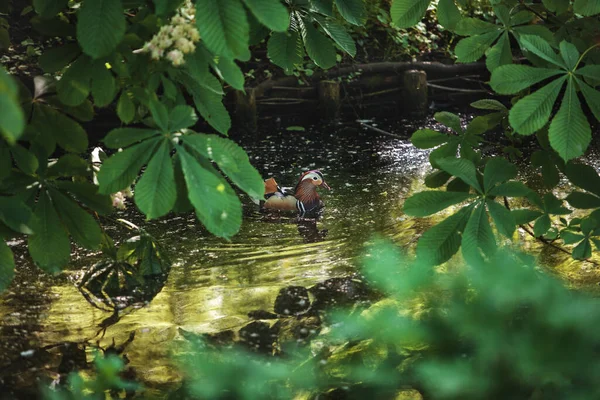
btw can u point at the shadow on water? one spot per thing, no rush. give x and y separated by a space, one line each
213 284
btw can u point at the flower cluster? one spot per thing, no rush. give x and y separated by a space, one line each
118 199
175 39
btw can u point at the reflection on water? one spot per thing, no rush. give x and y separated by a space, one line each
213 283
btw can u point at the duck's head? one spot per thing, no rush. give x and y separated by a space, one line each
315 177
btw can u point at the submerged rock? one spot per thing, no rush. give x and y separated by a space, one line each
337 292
259 336
292 300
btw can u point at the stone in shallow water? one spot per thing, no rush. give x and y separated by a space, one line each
292 300
344 291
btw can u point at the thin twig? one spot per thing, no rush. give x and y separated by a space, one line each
386 91
380 130
451 89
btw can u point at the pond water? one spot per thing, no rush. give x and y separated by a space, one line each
213 283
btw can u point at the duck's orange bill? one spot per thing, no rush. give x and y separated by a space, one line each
325 185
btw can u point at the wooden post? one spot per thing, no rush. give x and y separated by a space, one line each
329 99
246 113
415 92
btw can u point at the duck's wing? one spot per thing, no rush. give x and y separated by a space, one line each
271 187
279 201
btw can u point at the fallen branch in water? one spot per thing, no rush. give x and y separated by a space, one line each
380 130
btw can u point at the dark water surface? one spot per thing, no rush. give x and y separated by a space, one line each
213 283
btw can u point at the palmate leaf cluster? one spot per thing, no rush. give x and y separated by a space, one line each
49 189
556 98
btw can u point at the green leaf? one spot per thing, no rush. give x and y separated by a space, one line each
500 54
81 225
586 8
56 58
449 119
532 112
474 26
570 133
463 169
50 246
123 137
498 170
511 79
69 165
216 204
503 14
87 194
223 26
24 159
524 216
592 97
74 86
231 73
231 159
583 250
583 176
155 192
209 105
570 237
437 179
569 54
49 8
557 6
318 47
285 50
541 226
406 13
473 48
541 48
182 117
478 237
543 159
448 14
323 7
444 151
100 26
104 86
591 71
160 115
7 266
537 30
503 218
12 122
125 108
583 200
352 10
271 13
553 205
16 215
442 241
121 169
430 202
489 104
510 189
67 132
339 34
427 138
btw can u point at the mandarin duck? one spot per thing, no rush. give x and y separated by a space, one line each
304 198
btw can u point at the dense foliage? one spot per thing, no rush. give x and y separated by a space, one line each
559 43
496 330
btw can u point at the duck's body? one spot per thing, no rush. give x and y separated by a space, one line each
303 199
